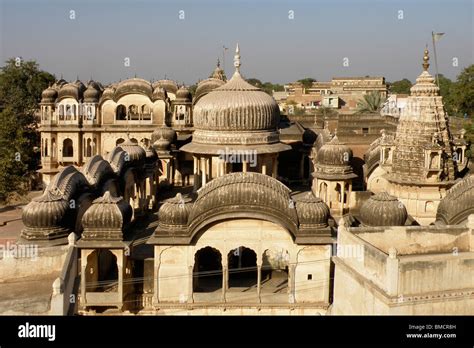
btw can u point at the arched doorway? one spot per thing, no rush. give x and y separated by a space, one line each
207 271
68 150
242 263
101 271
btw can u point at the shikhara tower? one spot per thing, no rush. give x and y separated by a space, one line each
419 161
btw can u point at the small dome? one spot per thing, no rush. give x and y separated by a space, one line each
168 85
312 212
106 218
383 209
136 153
92 93
333 161
161 145
183 95
159 93
174 213
218 72
206 86
44 215
49 95
165 132
108 93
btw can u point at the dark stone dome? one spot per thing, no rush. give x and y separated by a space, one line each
49 95
333 161
44 215
164 132
106 218
92 93
174 213
135 152
383 209
312 212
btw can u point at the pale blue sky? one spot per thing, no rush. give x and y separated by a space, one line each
273 47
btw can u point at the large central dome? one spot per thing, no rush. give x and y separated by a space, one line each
236 113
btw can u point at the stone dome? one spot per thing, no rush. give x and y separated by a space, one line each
383 209
45 213
161 145
458 204
92 93
174 213
312 212
169 86
164 132
205 86
136 153
49 95
133 85
333 161
159 93
183 94
71 90
106 218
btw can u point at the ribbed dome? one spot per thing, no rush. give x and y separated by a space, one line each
236 106
383 210
71 90
46 211
183 94
106 218
108 93
333 161
174 213
168 85
135 152
134 85
159 93
49 95
458 204
161 145
165 132
92 93
312 212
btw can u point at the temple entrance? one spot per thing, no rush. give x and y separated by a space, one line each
207 272
101 271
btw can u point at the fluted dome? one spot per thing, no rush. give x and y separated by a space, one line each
165 132
92 93
458 204
333 161
71 90
136 153
383 210
49 95
106 218
44 216
169 86
312 212
183 94
174 213
134 85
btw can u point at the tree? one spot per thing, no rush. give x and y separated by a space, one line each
267 87
20 92
307 82
463 92
371 103
400 87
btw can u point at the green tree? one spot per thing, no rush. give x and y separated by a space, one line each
307 82
21 86
371 103
400 87
463 92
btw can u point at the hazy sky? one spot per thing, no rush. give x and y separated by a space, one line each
273 47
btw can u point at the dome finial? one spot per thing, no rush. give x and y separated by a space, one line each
237 59
426 59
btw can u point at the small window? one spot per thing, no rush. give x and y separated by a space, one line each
310 277
365 130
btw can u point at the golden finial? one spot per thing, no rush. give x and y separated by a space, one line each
426 59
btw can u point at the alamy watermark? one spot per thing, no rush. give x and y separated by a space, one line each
12 250
239 156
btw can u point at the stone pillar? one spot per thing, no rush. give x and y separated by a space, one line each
244 166
343 191
119 255
84 255
156 283
190 284
349 196
264 167
203 171
259 280
291 284
225 274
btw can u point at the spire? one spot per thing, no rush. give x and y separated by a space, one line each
426 59
237 59
218 63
